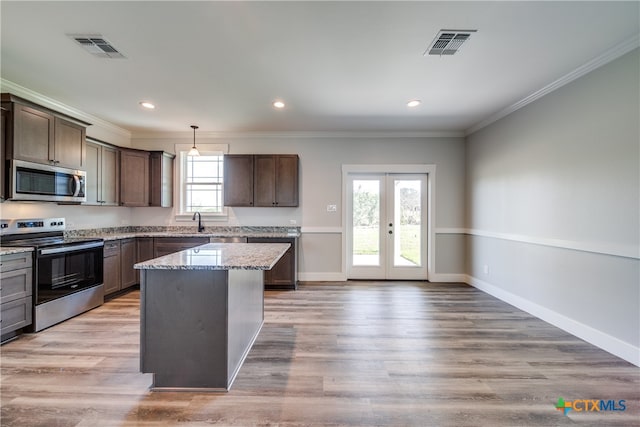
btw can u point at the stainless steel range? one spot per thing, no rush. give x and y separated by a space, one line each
67 273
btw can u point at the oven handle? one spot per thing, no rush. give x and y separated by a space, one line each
71 248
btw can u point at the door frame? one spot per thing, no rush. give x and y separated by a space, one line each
428 169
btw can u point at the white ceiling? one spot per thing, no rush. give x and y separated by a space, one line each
339 66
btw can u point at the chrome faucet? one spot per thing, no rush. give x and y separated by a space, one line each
200 226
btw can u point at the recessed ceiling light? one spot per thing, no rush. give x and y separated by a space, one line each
278 104
414 103
146 104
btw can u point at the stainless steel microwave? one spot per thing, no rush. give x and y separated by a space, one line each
36 182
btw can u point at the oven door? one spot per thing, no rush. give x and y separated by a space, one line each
63 270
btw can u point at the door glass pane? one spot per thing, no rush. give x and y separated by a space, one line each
407 225
366 222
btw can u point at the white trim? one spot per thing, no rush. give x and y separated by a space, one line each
45 101
451 230
178 183
603 59
429 169
603 248
321 230
322 277
310 134
206 217
591 335
448 278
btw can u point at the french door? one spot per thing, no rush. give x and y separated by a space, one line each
387 226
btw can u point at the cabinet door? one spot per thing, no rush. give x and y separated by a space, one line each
127 260
92 184
238 180
134 178
16 284
264 181
109 176
69 143
283 274
111 267
3 138
161 185
33 134
286 177
16 314
145 249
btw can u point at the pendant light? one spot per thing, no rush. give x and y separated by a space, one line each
194 151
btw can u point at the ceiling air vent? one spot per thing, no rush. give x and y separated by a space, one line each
447 42
96 45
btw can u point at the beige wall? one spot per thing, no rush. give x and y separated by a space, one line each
553 204
321 160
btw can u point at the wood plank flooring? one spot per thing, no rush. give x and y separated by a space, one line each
330 354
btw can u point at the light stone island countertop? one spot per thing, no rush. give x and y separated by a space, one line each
8 250
220 256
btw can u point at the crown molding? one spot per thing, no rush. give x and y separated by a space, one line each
45 101
614 53
284 134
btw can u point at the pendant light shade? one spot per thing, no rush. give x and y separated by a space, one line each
194 151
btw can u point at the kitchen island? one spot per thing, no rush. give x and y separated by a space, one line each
201 309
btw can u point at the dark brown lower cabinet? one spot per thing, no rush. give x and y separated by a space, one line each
283 275
127 260
15 293
112 275
168 245
144 252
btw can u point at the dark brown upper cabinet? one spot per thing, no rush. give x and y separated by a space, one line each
261 180
134 178
161 179
103 178
238 180
275 180
37 134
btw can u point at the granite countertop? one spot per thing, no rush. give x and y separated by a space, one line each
8 250
220 256
117 233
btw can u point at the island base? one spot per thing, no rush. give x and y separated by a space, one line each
198 326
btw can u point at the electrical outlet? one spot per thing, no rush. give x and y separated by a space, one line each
332 208
293 222
486 269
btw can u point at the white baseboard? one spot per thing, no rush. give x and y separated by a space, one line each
448 277
322 277
593 336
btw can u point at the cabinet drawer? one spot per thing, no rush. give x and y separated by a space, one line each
15 315
111 248
16 261
15 284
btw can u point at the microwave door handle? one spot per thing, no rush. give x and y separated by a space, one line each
76 185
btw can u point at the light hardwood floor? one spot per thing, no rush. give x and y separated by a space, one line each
330 354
